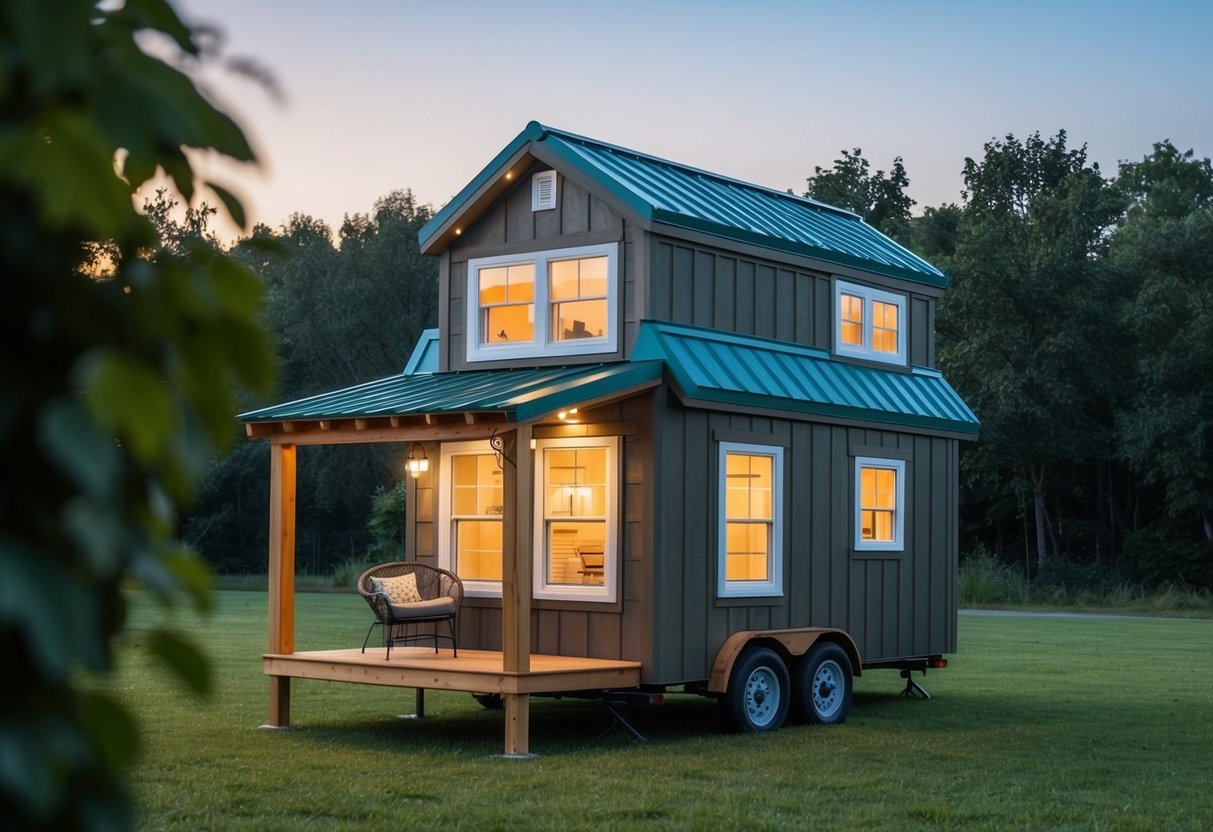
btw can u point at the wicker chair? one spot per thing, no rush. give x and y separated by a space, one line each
441 597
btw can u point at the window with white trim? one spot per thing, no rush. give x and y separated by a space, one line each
750 533
879 504
470 510
576 519
558 302
869 323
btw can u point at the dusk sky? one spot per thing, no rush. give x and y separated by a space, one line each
384 95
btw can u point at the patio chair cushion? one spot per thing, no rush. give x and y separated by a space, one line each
433 608
401 589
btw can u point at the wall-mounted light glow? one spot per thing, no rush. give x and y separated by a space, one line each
417 463
458 231
565 415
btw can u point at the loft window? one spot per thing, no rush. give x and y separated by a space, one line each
471 506
869 323
750 534
879 504
576 527
559 302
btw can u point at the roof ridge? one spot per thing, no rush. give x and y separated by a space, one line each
544 129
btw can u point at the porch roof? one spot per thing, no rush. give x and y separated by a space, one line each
721 368
516 395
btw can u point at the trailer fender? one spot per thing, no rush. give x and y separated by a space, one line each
790 643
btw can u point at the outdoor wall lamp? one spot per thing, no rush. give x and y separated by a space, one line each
417 463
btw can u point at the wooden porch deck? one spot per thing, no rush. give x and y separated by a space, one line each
476 671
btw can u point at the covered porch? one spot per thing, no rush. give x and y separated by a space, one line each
505 407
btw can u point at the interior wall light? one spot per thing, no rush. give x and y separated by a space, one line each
418 463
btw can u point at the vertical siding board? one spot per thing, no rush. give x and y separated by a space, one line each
547 222
519 218
574 633
820 574
574 208
798 577
744 303
603 635
804 309
922 554
890 607
661 280
682 286
724 293
602 216
638 621
697 474
764 301
784 312
668 630
952 562
940 579
839 491
703 283
545 632
823 311
919 331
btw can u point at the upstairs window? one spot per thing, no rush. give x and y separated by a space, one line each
869 323
879 504
750 545
559 302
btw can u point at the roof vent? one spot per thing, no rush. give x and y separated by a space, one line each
543 191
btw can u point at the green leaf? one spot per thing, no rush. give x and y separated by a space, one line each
128 397
231 203
88 457
183 659
111 728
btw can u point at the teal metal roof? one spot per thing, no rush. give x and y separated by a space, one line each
518 394
424 358
715 367
666 192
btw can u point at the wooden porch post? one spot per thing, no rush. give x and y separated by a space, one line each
281 575
517 553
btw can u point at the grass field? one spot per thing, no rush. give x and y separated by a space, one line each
1039 723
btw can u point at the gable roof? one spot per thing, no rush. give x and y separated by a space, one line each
661 192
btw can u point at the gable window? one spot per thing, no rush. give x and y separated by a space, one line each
750 533
576 530
879 504
471 506
558 302
869 323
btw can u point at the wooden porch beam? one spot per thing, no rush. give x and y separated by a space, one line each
281 574
517 553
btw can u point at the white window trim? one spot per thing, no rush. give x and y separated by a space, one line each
446 523
864 350
898 543
543 345
773 587
606 592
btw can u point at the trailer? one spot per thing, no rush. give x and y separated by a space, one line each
673 431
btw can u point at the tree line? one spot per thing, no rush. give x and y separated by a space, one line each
1078 326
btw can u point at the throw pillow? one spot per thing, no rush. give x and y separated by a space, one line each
399 590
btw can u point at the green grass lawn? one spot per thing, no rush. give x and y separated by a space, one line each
1039 723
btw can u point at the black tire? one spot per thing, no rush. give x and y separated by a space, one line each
823 691
491 701
759 692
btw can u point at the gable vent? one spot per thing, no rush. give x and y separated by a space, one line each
543 191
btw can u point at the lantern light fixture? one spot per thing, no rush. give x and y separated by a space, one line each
418 463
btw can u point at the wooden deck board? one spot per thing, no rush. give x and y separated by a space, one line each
479 671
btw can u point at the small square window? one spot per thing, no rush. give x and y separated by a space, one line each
879 504
869 323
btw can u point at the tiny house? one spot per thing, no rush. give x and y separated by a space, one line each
677 424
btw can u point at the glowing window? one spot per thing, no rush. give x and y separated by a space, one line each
471 506
869 323
559 302
750 561
879 503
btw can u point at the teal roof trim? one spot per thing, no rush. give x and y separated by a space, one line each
661 191
520 395
425 354
758 373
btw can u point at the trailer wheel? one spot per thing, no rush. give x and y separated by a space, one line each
823 685
491 701
758 694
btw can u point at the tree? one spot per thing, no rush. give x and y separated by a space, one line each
116 386
878 197
1031 308
1166 245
